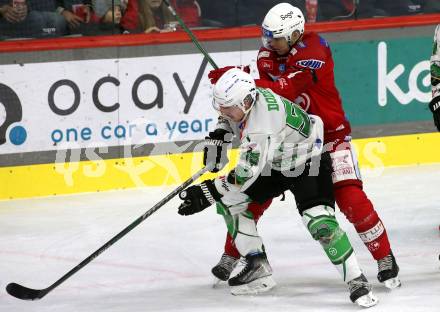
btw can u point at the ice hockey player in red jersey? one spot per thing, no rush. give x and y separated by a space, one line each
299 66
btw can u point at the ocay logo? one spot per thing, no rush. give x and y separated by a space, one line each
10 112
387 81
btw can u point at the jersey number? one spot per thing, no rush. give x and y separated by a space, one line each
297 119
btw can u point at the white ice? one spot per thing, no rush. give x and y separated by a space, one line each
164 264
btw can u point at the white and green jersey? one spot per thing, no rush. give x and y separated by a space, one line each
277 133
435 64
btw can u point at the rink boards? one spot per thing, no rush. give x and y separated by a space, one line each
171 169
133 113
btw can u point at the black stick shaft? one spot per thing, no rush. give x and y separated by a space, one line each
191 34
28 294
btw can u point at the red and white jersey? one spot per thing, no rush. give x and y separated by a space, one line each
306 76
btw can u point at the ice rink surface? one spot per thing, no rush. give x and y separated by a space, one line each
164 264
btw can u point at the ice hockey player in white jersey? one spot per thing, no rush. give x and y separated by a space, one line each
280 150
434 105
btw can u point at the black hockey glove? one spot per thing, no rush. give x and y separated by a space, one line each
198 197
215 150
434 106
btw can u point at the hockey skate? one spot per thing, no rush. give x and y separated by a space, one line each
256 276
360 292
388 271
224 267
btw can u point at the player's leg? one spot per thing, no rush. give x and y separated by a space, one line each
355 205
256 276
230 257
315 202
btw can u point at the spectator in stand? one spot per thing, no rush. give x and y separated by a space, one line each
75 12
189 11
153 15
105 18
105 13
54 23
336 9
429 6
91 17
379 8
147 16
29 19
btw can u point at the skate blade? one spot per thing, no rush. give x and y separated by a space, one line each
392 283
258 286
367 300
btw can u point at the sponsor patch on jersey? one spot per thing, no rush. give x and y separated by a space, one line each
263 54
267 64
311 63
293 51
282 68
283 83
323 42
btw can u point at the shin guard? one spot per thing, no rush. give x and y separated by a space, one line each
322 224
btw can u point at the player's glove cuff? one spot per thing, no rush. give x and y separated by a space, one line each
215 150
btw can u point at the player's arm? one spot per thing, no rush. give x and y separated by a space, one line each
291 84
434 105
228 189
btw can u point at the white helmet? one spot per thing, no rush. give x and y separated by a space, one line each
280 22
234 88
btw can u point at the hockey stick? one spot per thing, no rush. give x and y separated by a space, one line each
24 293
191 34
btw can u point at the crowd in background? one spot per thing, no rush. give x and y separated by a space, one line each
54 18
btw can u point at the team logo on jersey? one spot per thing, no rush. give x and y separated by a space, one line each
282 68
267 64
311 63
323 42
263 54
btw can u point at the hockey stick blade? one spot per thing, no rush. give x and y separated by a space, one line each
25 293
